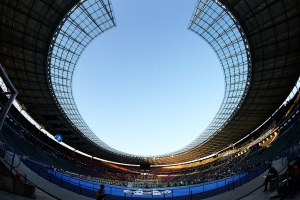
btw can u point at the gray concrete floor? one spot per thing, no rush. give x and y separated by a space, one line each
40 195
43 184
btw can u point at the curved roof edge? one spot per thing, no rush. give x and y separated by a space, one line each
83 23
213 22
88 19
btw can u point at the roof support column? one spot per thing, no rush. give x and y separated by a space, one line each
13 94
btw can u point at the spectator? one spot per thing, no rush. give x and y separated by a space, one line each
18 174
101 193
293 175
271 174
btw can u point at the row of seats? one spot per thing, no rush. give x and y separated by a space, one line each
26 144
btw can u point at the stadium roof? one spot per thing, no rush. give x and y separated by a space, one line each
257 43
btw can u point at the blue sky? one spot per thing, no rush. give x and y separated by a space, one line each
149 86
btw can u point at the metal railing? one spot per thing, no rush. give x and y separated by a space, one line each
199 191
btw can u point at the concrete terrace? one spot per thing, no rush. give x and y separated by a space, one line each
46 190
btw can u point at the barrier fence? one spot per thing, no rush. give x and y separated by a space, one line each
198 191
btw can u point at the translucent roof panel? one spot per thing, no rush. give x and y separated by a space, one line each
85 21
211 21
